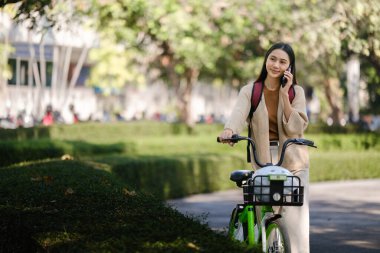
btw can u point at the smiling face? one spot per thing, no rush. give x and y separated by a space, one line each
277 62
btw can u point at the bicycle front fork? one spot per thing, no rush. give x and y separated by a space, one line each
267 215
248 217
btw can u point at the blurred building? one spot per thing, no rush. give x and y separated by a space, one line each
48 67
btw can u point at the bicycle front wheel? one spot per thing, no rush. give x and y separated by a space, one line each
277 239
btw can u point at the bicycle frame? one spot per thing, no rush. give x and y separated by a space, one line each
249 216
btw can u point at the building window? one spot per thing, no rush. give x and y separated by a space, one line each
21 73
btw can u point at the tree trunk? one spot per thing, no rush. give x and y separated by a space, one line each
353 81
183 94
334 98
185 99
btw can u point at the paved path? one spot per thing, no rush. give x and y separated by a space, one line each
344 216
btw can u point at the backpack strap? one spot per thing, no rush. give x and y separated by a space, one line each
257 92
291 93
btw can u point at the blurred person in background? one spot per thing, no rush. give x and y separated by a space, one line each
48 118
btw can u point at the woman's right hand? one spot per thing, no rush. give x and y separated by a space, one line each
226 134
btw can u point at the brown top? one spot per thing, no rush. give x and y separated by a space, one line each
271 100
296 156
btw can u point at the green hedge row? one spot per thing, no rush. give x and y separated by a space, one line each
345 142
349 165
21 151
96 130
104 131
153 159
24 133
173 177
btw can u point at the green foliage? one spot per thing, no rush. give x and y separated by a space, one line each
13 152
172 177
348 165
94 132
348 142
5 72
222 41
32 150
323 128
372 77
114 67
24 133
160 158
68 206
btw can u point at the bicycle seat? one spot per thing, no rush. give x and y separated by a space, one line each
240 175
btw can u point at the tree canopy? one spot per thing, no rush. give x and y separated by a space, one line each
225 41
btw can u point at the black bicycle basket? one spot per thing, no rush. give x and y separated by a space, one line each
270 190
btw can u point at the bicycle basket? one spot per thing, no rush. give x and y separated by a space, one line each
275 189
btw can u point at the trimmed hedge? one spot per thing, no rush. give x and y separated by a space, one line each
346 142
70 206
348 165
173 177
24 133
22 151
149 157
103 131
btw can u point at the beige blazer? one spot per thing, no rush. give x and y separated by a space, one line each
296 157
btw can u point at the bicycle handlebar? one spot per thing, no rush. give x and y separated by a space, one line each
298 141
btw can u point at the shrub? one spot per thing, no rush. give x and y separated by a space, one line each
32 150
173 177
69 206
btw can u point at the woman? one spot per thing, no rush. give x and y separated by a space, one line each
275 120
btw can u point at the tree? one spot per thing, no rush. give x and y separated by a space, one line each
175 34
224 41
188 40
338 30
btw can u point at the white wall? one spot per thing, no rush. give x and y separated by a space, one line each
134 102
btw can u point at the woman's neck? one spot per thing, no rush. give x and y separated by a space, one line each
272 83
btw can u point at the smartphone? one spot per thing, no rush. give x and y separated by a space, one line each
283 79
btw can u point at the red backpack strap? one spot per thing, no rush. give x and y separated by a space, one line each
257 92
291 93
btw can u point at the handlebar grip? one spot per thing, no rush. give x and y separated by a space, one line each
234 139
308 143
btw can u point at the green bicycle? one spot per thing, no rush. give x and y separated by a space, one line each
255 221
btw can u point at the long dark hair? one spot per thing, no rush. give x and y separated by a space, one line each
289 50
